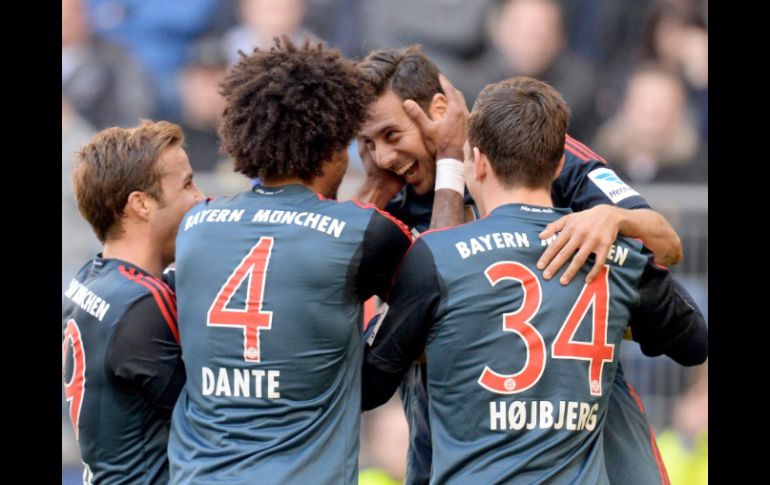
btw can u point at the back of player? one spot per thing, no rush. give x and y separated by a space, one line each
271 334
531 360
121 435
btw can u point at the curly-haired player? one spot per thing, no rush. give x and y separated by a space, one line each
291 109
270 282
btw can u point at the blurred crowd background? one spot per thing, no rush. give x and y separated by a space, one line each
635 74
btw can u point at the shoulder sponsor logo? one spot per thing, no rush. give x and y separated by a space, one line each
612 186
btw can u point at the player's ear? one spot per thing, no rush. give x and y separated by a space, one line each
560 167
480 164
138 205
438 106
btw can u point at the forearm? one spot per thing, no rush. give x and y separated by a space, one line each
448 201
655 231
447 209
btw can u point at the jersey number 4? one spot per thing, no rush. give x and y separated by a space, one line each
74 389
597 352
251 317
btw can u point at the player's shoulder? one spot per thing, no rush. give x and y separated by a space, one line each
369 212
106 289
442 236
578 153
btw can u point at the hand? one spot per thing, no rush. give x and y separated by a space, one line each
384 183
590 231
446 134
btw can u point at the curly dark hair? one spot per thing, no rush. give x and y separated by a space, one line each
290 108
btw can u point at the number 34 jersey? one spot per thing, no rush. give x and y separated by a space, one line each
519 368
270 285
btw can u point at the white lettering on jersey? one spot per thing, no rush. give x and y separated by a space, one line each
231 382
489 242
86 299
518 415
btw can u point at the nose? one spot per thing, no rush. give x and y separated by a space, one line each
199 195
385 157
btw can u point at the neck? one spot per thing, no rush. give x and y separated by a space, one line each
492 199
137 250
316 185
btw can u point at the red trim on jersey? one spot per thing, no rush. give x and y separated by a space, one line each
579 146
159 292
588 150
398 223
578 153
656 453
165 290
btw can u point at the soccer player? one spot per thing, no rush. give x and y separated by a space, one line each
520 368
415 114
120 353
270 282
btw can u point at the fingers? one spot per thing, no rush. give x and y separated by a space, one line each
453 94
598 265
417 114
601 252
555 245
577 262
552 229
561 257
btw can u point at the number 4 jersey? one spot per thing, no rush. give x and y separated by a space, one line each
270 285
519 368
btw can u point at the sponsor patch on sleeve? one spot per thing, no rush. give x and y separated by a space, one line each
383 311
609 183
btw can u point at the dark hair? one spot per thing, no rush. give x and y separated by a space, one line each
289 109
116 162
520 125
407 71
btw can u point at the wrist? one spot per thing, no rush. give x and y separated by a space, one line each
450 175
450 152
622 221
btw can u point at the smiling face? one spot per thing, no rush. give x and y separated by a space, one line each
396 143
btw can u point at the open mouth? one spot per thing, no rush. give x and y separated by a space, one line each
402 170
410 172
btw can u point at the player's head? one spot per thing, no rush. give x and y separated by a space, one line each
394 140
519 125
137 178
291 112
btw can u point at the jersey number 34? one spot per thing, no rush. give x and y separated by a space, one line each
597 352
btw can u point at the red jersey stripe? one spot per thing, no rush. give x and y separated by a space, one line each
162 305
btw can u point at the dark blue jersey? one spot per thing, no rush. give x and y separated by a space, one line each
270 285
122 370
519 369
630 452
584 182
